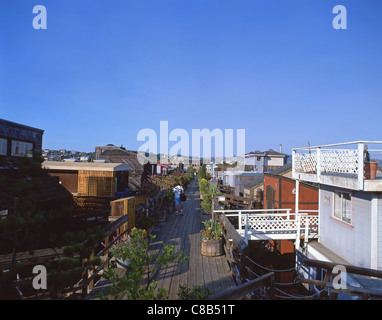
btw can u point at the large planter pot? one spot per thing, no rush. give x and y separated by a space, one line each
212 248
370 171
123 264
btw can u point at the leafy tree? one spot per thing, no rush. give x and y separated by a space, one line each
139 282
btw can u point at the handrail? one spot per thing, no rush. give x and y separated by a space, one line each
235 248
247 287
249 210
337 144
253 223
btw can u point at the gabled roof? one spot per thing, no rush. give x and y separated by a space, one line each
269 152
272 152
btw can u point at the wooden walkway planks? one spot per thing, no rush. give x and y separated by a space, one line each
184 233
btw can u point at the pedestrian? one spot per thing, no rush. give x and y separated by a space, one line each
179 195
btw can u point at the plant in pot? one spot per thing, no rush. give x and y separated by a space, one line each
119 252
370 166
139 282
212 240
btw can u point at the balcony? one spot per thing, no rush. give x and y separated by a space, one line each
340 165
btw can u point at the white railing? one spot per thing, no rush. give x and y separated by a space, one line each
267 222
342 158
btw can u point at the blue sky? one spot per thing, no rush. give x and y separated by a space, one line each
104 70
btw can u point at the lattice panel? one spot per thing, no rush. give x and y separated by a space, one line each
313 223
340 161
306 162
336 160
267 223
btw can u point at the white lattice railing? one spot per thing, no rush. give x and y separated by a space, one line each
334 160
342 158
266 221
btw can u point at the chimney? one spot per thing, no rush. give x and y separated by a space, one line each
281 148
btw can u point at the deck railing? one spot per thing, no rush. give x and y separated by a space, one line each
273 222
341 158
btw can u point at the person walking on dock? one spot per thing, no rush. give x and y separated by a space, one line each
179 199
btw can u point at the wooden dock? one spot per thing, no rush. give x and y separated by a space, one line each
184 233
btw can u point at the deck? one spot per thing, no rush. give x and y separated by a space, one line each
184 233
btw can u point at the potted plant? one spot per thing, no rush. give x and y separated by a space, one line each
212 240
370 166
122 249
139 283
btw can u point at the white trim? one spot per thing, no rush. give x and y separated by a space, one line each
374 232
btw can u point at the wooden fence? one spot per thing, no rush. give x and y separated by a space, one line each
235 249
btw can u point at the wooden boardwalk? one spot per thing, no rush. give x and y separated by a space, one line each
184 233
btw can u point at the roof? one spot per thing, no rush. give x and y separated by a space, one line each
117 152
249 174
269 152
257 152
19 125
287 167
90 166
134 183
47 188
272 152
255 182
118 155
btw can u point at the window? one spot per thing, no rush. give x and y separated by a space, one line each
342 207
3 147
21 149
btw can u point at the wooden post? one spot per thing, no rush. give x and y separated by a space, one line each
297 243
360 165
318 165
246 229
306 238
297 195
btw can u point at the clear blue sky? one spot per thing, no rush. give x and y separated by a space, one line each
103 70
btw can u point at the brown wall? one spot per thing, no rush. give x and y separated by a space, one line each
284 198
87 183
69 180
96 183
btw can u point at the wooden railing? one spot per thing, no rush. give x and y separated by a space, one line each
265 282
232 200
326 284
235 249
113 233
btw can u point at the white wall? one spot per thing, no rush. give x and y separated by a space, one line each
353 243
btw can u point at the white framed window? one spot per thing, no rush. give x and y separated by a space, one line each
342 207
21 149
3 147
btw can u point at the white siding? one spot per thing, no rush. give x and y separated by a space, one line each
379 236
352 243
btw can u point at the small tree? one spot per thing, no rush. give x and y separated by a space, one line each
139 282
